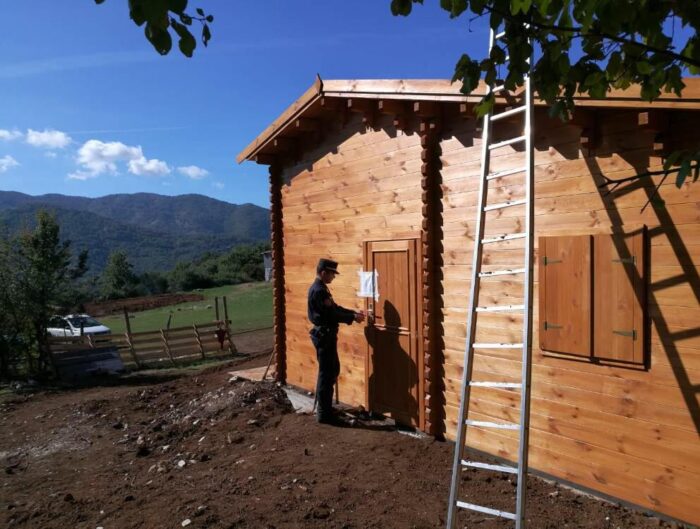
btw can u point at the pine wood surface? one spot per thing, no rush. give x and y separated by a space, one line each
628 420
365 187
623 430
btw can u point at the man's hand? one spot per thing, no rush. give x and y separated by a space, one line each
360 316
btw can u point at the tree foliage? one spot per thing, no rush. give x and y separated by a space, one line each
39 279
118 279
163 19
583 47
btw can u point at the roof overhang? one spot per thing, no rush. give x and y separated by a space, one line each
325 96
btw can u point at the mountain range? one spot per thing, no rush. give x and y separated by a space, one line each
155 231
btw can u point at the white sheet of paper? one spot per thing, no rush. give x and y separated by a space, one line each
368 285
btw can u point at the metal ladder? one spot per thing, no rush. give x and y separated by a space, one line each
525 269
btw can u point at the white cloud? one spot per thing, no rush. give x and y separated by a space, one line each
50 154
96 157
144 167
48 139
8 135
218 185
7 162
193 172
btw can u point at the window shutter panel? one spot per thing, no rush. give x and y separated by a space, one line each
565 294
619 297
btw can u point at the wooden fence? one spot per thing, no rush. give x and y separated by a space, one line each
145 349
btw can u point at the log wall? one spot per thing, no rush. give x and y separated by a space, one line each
358 184
629 433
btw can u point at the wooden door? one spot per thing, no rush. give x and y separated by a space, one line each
394 362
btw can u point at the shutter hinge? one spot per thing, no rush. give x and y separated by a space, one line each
548 326
629 334
626 260
548 261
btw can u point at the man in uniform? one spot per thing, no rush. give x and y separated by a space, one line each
326 317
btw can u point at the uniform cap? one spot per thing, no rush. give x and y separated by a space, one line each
327 264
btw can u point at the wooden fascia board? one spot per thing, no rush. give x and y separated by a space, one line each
290 115
442 90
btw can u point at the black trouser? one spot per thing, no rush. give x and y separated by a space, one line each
328 370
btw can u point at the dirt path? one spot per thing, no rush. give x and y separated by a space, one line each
156 452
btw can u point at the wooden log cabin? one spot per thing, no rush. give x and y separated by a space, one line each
382 175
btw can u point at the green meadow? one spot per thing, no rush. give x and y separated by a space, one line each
249 307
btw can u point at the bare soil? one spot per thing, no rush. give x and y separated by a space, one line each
105 308
159 449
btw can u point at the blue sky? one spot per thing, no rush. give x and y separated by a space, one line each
89 108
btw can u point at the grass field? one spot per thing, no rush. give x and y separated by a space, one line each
249 307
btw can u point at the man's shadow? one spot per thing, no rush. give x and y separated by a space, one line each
393 373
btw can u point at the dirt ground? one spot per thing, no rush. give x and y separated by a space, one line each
105 308
181 449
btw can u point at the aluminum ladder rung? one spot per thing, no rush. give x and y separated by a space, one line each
508 271
488 466
500 35
505 143
497 425
485 510
484 345
506 204
500 308
504 237
499 88
507 172
505 385
508 113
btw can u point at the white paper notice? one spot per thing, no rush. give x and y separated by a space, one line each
368 285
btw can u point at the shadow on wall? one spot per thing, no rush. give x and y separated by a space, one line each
688 272
393 376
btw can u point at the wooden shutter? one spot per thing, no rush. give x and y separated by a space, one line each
619 297
565 294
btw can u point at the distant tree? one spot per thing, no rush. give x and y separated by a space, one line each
621 42
10 321
40 275
118 279
154 283
159 17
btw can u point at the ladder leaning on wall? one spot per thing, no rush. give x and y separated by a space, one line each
524 268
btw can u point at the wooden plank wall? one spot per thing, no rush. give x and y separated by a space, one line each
632 434
358 184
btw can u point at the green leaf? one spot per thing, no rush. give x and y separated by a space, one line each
187 42
643 67
200 11
177 6
672 159
206 35
683 172
484 106
467 71
543 6
159 38
401 7
210 19
99 2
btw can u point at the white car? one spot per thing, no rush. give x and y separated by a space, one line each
75 325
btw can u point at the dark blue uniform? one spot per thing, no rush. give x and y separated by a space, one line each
326 317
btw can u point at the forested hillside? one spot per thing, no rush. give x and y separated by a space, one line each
155 231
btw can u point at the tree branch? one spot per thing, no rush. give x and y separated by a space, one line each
615 38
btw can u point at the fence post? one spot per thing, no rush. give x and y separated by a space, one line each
128 339
167 346
231 346
216 307
199 340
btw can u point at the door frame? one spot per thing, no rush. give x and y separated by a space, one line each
419 256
